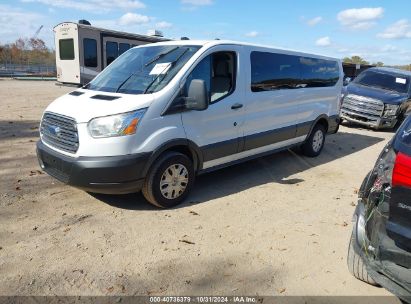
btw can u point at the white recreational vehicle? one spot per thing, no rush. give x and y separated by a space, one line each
83 51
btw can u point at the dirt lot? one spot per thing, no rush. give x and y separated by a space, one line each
274 226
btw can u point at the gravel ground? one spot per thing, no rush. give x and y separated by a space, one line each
278 225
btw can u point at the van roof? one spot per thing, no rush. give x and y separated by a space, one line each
211 43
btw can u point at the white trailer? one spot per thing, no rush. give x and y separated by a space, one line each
83 51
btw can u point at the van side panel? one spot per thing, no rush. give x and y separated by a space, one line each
276 114
281 117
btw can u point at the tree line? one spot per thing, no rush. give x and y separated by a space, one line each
362 61
27 51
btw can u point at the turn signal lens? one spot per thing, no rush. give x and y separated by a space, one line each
131 128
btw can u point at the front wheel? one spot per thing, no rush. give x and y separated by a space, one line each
169 180
315 142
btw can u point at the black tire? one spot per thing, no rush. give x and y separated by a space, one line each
309 148
355 262
151 188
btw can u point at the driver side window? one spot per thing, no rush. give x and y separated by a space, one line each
218 72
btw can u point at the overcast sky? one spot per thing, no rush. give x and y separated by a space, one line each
378 30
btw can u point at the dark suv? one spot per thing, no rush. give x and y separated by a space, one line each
380 247
378 98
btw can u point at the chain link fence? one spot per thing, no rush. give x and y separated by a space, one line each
16 70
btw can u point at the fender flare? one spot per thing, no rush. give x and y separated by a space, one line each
322 116
195 151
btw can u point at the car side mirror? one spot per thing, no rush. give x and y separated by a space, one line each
347 80
197 98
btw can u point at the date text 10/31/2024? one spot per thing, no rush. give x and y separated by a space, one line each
203 299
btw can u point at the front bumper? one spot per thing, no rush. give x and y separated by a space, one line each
333 124
108 174
372 122
389 266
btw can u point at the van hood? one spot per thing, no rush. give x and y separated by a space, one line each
90 104
386 96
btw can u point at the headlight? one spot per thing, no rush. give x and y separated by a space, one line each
115 125
390 110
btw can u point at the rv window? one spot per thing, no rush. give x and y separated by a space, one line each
123 47
271 71
111 51
90 52
66 47
318 72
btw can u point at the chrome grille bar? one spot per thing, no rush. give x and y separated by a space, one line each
59 131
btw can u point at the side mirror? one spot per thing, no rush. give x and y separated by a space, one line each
197 98
347 80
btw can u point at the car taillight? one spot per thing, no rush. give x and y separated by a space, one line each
401 175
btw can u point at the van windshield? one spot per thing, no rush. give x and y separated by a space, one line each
381 80
143 70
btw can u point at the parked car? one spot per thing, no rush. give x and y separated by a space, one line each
377 98
162 113
380 246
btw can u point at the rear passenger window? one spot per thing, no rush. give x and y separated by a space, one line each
318 72
111 51
271 71
90 52
218 72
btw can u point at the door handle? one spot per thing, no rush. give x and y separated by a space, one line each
236 106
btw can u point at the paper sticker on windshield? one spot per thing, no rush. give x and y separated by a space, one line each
401 80
160 68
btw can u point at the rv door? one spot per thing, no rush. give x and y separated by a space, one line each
67 53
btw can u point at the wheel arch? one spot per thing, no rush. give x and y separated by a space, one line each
184 146
323 120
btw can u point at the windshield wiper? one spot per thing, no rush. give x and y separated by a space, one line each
160 56
123 83
168 67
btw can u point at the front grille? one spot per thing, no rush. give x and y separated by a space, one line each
60 132
362 107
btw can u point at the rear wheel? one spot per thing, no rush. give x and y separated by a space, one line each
315 142
355 262
169 180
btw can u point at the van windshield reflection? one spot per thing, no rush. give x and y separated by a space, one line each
143 70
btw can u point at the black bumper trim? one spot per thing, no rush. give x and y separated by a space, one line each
108 174
333 124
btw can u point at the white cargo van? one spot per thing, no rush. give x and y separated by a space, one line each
162 113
